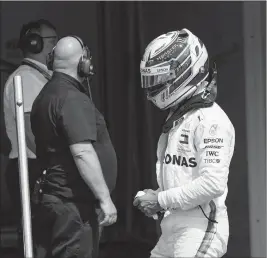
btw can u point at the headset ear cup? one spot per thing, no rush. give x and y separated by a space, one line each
80 67
84 67
87 66
33 43
38 43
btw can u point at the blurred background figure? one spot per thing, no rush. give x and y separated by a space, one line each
36 40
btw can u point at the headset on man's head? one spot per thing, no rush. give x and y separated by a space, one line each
85 67
32 41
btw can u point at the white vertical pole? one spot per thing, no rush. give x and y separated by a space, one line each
265 80
255 87
23 168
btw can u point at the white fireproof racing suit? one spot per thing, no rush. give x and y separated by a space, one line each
192 173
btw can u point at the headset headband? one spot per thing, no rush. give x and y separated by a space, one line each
80 41
26 28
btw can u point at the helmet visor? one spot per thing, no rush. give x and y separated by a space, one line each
160 75
148 81
152 76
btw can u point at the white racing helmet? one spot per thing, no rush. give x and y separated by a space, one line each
173 66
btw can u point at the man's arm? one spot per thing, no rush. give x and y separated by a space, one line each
78 124
214 157
89 167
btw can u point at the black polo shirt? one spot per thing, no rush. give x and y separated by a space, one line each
62 115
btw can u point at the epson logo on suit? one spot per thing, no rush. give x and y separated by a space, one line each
213 140
180 161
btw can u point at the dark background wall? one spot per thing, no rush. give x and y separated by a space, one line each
117 33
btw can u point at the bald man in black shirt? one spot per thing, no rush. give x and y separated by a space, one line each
74 147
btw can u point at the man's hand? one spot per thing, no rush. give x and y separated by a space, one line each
148 203
108 215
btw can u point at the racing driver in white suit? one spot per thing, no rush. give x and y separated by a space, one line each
194 150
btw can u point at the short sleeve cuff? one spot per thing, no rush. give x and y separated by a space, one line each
78 139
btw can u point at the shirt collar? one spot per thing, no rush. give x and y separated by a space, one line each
70 80
41 65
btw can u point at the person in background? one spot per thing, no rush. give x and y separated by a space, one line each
37 39
74 149
194 150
